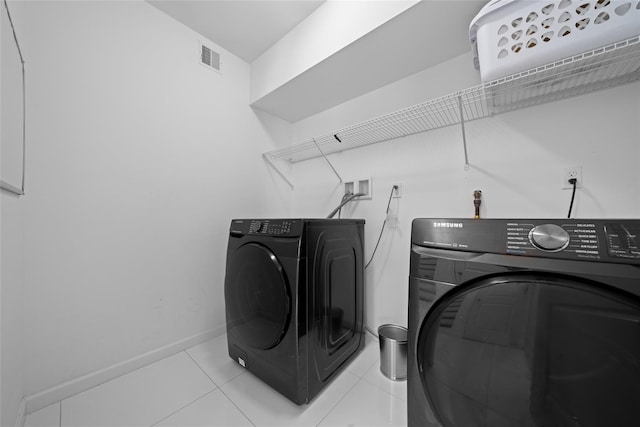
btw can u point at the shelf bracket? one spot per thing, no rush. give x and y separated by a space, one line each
464 135
325 157
277 169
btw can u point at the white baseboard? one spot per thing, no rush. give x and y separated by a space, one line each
22 414
63 391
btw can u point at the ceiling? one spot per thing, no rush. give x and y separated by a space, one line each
426 34
245 28
423 36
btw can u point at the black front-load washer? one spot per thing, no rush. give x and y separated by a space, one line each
524 323
294 298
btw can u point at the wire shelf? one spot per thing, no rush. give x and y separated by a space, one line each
601 68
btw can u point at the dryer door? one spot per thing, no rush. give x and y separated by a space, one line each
527 349
257 297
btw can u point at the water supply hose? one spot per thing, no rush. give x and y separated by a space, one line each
345 200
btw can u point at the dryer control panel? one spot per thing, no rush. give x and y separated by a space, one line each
597 240
267 227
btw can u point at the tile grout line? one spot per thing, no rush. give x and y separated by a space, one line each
371 383
200 367
196 399
219 387
234 404
360 378
106 381
385 390
341 399
205 372
183 407
366 370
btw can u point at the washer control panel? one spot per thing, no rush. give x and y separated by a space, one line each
623 240
572 238
598 240
549 237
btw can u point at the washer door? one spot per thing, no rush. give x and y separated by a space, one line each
257 297
532 350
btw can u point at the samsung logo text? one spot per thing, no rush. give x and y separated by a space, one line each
448 224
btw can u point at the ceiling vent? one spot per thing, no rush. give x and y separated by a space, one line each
209 58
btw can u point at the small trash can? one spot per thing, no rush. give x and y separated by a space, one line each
393 351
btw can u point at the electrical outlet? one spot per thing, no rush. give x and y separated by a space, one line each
572 172
397 192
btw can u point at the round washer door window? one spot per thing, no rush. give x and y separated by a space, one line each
257 297
527 350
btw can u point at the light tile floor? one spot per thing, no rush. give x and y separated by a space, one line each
202 386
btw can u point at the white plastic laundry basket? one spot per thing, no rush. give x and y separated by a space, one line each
510 36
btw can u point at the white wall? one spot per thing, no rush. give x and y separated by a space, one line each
11 304
138 158
517 160
11 234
